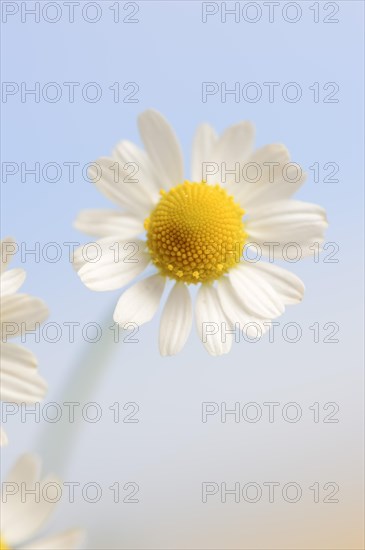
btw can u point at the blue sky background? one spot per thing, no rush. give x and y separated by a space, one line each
169 53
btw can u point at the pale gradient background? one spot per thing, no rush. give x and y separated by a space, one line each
170 451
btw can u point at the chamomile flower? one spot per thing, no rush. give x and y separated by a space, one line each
27 502
19 381
194 232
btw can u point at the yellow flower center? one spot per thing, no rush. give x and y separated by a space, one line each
195 233
3 545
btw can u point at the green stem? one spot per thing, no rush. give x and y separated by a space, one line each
57 441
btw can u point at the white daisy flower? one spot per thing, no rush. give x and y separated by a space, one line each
23 515
196 231
20 381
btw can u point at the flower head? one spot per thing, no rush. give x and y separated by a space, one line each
195 232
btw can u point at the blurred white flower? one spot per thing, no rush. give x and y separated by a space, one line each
19 381
22 516
196 231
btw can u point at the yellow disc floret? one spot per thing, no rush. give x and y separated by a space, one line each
195 233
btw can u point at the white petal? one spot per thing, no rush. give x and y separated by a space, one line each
138 164
286 222
25 470
139 303
265 193
103 223
115 268
255 293
7 250
20 381
204 141
211 322
273 153
117 185
89 252
11 281
232 306
233 146
3 437
241 320
31 515
288 286
162 147
20 313
176 320
267 177
68 540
